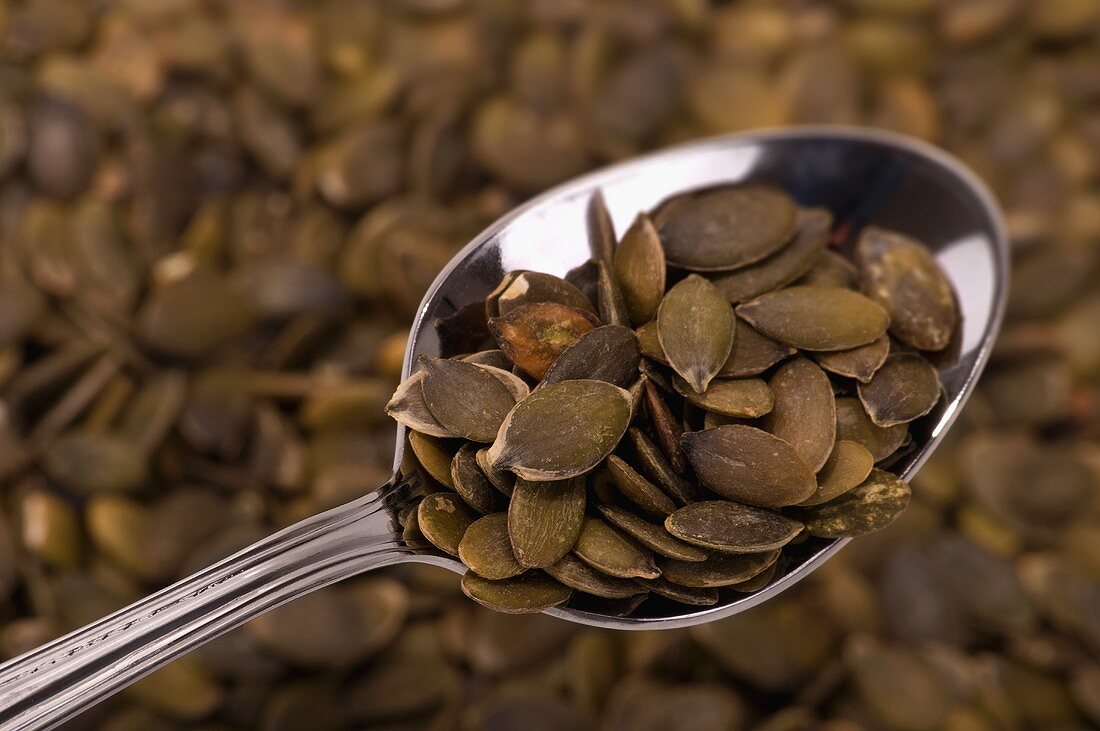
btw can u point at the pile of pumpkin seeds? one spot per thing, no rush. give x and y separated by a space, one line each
309 167
766 377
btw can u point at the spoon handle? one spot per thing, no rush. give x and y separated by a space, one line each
47 686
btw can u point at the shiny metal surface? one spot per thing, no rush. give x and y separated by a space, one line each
863 176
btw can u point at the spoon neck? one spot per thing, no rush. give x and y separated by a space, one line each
47 686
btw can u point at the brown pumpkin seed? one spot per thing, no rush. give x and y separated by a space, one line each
515 385
527 593
534 335
649 343
816 318
749 465
748 398
871 506
729 527
608 353
695 596
653 537
434 456
666 428
695 329
805 411
784 266
758 582
535 287
905 388
576 574
611 306
443 519
500 479
752 353
470 482
639 268
638 489
486 549
858 363
606 549
562 431
853 424
848 466
657 467
720 569
901 275
544 520
484 401
726 228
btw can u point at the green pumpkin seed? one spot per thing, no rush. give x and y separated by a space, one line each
695 329
784 266
747 398
805 411
434 456
901 275
609 551
906 388
694 596
848 466
729 527
859 363
658 468
470 482
749 465
485 399
752 353
608 353
816 318
612 307
853 424
871 506
649 343
601 231
486 549
666 429
726 228
576 574
562 431
720 569
502 480
531 287
637 489
639 268
524 594
653 537
831 270
534 335
443 519
544 520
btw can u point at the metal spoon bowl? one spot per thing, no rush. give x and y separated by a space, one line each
862 176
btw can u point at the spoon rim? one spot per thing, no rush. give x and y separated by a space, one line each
942 161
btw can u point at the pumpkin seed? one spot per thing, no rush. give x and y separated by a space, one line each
900 274
606 550
658 468
720 569
639 268
524 594
544 520
848 466
601 231
407 407
749 466
562 431
804 414
871 506
470 482
758 582
484 404
695 329
853 424
729 527
533 287
486 549
831 270
747 398
608 353
434 456
905 388
726 228
653 537
782 267
576 574
666 428
695 596
502 480
443 519
534 335
816 318
515 385
637 489
649 343
859 363
612 307
752 353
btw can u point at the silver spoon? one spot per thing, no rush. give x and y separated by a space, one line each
863 176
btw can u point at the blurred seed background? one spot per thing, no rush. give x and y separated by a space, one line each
217 218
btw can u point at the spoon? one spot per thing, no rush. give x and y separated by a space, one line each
863 176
